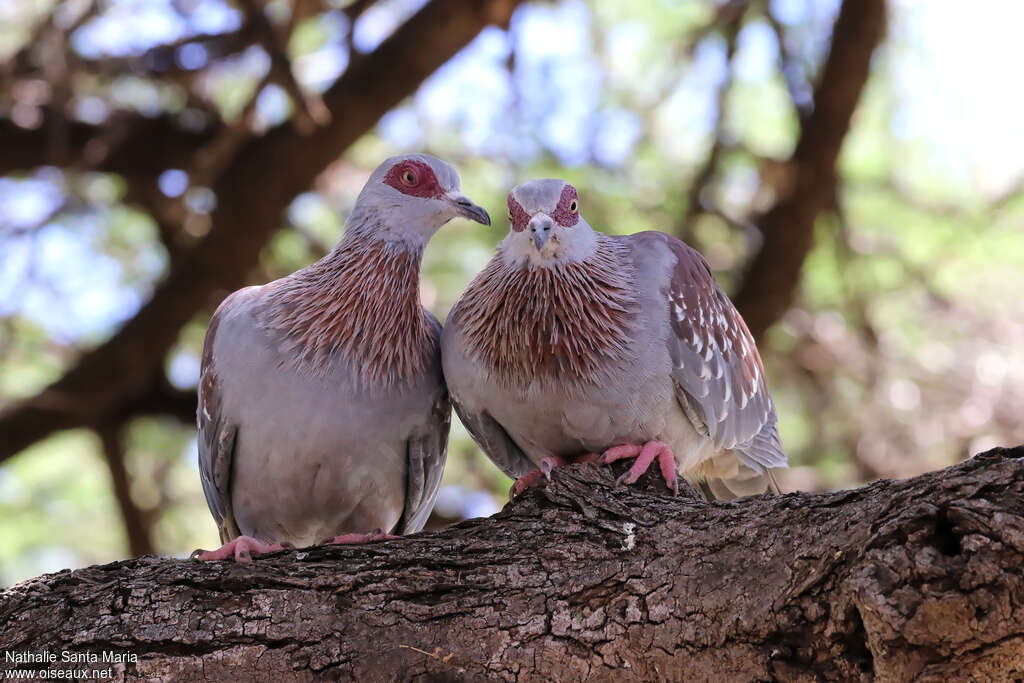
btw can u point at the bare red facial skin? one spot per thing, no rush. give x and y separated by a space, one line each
562 215
518 215
424 183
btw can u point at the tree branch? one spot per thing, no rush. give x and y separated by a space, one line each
162 399
790 68
581 579
137 527
309 109
128 144
251 194
788 228
160 60
702 180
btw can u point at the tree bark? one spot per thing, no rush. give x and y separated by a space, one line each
579 579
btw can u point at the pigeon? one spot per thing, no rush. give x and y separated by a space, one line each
323 411
575 345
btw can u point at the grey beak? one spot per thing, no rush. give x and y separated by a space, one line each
468 209
540 229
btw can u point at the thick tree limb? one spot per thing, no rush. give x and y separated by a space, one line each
137 524
309 110
706 173
163 399
771 280
579 579
251 194
130 144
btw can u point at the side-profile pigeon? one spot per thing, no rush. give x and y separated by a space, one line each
322 408
572 343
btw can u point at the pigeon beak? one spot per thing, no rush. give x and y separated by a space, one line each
468 209
540 229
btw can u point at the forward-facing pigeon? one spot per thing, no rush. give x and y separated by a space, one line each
572 343
322 408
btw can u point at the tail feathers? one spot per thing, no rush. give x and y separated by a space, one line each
715 488
745 470
753 468
764 450
749 480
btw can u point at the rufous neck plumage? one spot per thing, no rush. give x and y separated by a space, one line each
564 322
359 305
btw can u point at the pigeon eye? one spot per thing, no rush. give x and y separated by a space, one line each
409 178
573 207
510 215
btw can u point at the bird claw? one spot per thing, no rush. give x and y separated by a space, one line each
645 455
550 463
377 534
524 482
619 453
546 467
241 549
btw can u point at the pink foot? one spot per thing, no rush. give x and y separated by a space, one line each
524 482
530 478
645 455
241 549
546 465
592 458
348 539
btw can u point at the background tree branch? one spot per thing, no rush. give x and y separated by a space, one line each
137 523
262 176
809 178
580 579
252 192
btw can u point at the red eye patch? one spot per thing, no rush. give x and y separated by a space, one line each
414 178
517 215
567 213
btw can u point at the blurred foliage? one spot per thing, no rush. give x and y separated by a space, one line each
902 353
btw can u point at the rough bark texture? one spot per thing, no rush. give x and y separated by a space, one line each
578 579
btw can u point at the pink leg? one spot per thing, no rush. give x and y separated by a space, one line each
546 465
348 539
241 549
530 478
524 482
645 455
620 452
591 458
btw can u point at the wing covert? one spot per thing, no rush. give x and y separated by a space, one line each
717 369
216 435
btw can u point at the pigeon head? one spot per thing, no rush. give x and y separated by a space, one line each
409 197
547 228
